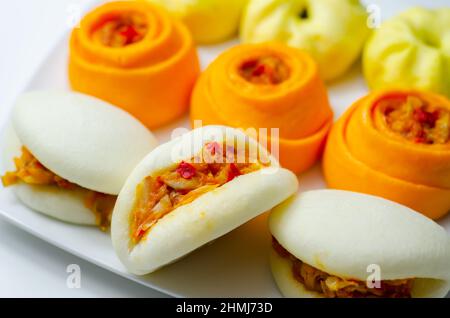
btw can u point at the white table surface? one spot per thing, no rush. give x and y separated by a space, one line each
30 267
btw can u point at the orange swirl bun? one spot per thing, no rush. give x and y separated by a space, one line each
135 56
394 144
268 86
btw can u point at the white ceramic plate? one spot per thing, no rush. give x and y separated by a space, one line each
235 265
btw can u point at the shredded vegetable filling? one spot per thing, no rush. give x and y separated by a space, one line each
417 120
29 170
121 30
268 70
331 286
158 195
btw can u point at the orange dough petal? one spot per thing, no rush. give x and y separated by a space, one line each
298 105
362 154
152 79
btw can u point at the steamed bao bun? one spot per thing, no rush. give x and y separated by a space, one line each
341 233
333 32
209 216
411 50
79 138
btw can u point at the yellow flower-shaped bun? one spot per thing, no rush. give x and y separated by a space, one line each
411 50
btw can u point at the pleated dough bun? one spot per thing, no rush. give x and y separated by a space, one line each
80 138
210 216
342 233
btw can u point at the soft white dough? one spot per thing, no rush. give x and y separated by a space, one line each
203 220
81 138
292 288
64 205
343 232
11 147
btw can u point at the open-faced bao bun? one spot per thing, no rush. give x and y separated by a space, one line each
208 217
80 138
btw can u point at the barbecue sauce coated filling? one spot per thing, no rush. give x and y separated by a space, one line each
267 70
156 196
416 120
120 31
30 171
331 286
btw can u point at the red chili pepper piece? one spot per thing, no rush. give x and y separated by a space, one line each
186 170
259 70
159 181
213 147
425 118
420 115
139 233
388 110
420 140
435 116
129 33
182 192
233 172
249 64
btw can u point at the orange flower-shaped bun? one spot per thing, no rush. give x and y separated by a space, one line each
268 86
394 144
135 56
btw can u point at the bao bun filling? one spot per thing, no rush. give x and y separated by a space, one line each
265 70
121 30
160 194
331 286
30 171
415 119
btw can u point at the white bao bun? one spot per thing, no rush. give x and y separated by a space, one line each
342 233
82 139
208 217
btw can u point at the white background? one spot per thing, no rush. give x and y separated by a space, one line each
28 266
